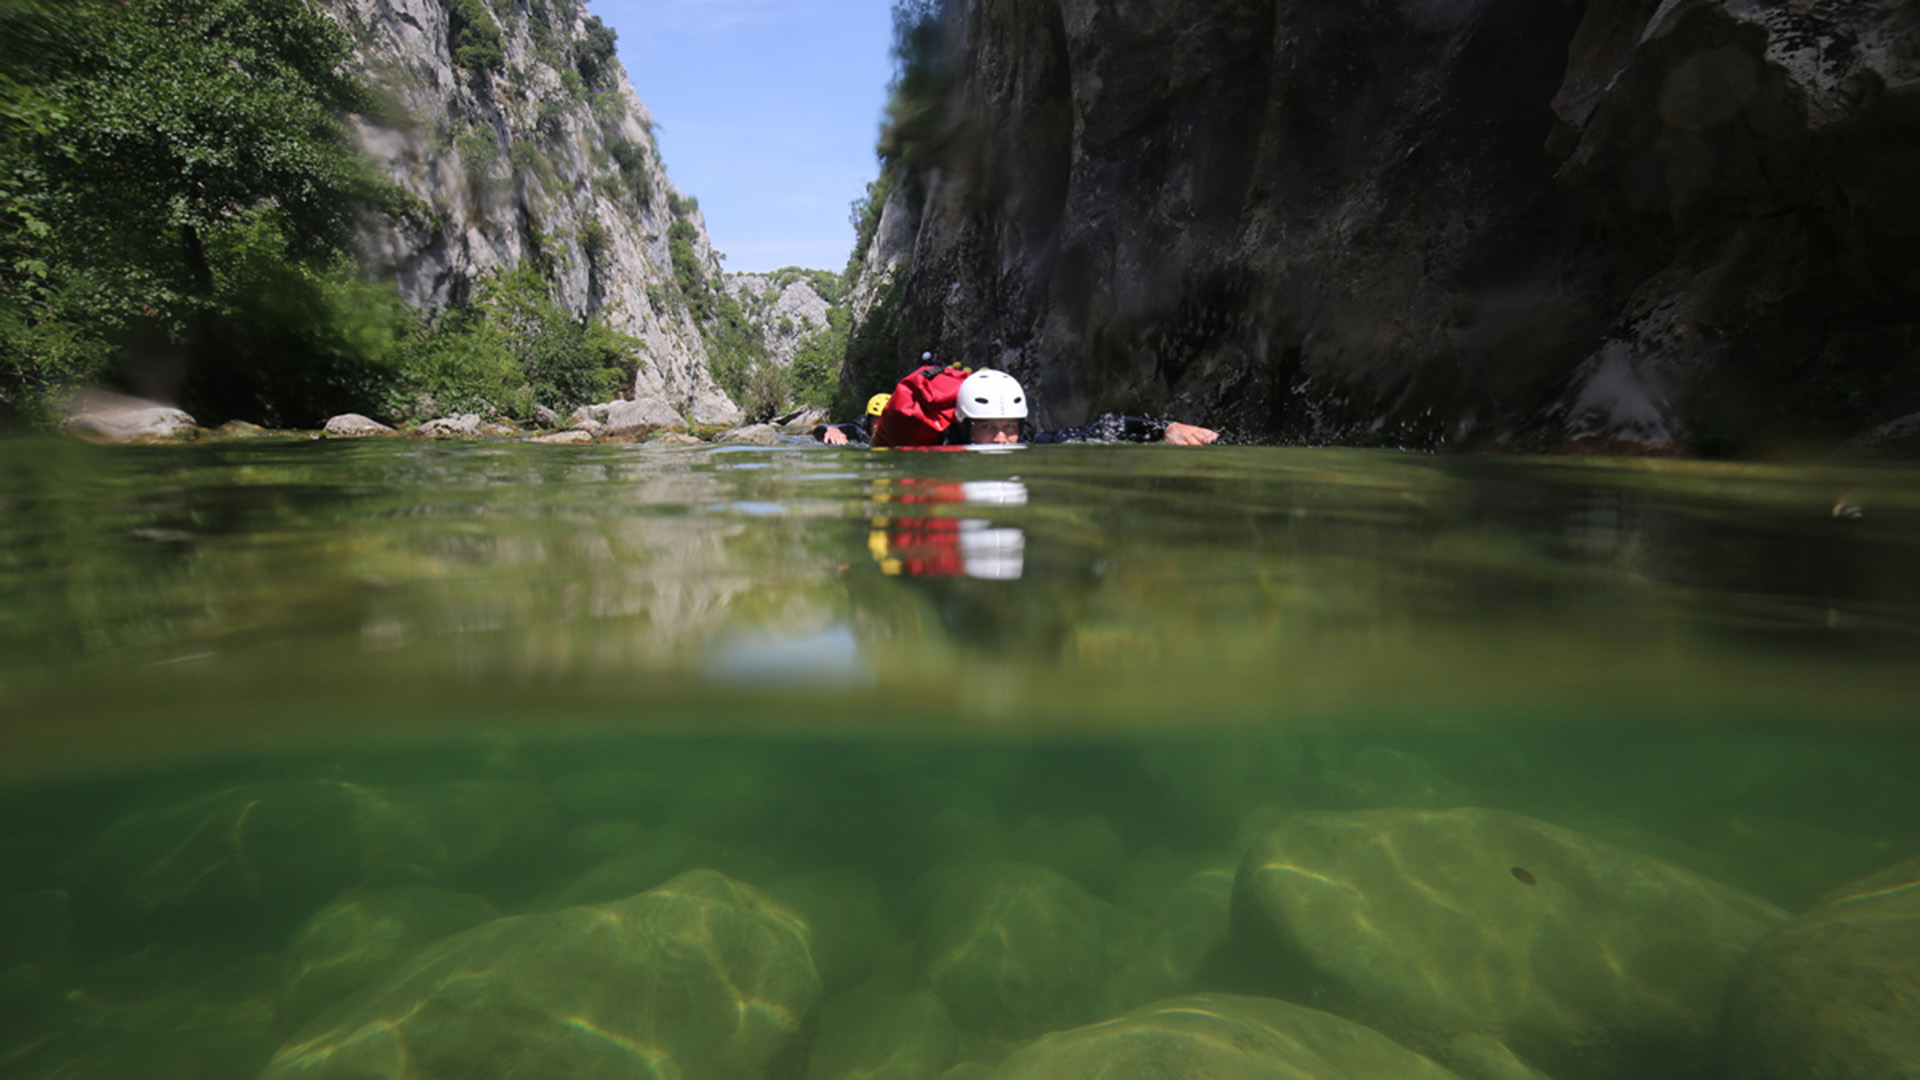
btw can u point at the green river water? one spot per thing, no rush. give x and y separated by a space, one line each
889 764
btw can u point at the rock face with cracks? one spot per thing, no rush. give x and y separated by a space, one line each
546 160
1622 224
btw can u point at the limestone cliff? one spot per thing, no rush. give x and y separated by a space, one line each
1652 224
786 307
520 133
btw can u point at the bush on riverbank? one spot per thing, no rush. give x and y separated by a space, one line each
179 195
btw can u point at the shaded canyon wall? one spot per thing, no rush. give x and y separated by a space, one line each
1687 226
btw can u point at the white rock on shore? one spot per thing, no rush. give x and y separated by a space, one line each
112 418
355 426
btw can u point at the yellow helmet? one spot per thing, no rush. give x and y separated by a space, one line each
877 404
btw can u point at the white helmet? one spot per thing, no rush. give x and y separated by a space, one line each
992 395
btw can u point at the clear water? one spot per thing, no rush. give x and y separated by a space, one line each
241 681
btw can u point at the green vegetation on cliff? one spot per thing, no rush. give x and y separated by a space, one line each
179 196
736 353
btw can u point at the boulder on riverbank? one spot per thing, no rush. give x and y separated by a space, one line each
626 419
1589 961
751 435
355 426
463 426
111 418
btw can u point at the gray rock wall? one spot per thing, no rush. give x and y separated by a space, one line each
788 312
529 165
1687 225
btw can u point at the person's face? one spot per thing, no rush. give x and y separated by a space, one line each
996 431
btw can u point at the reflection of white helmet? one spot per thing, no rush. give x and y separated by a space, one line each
993 492
992 395
992 554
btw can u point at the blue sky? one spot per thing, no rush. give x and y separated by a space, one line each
766 111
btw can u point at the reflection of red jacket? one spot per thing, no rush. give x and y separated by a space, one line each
918 547
941 546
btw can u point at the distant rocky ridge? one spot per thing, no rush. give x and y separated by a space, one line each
542 155
786 306
1686 226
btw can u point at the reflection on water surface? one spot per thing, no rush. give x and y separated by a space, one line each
891 764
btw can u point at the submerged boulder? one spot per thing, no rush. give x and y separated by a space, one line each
363 937
1588 960
702 978
1220 1037
1015 950
1836 992
870 1034
260 854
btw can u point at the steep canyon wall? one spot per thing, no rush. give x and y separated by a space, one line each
1690 225
527 146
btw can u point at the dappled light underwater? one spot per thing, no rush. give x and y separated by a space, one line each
429 761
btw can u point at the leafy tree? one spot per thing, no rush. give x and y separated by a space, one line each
816 367
510 349
151 128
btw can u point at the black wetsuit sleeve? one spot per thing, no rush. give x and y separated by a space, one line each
1108 428
855 432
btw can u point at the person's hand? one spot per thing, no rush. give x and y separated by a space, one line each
1180 434
833 436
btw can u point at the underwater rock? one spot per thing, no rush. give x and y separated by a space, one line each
663 854
848 916
481 830
355 426
363 937
1221 1037
1175 943
33 926
703 978
1384 776
589 845
1016 950
1087 849
262 854
1835 992
110 418
873 1034
1608 963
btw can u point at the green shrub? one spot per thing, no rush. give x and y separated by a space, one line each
477 43
594 54
480 162
526 159
631 159
510 349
